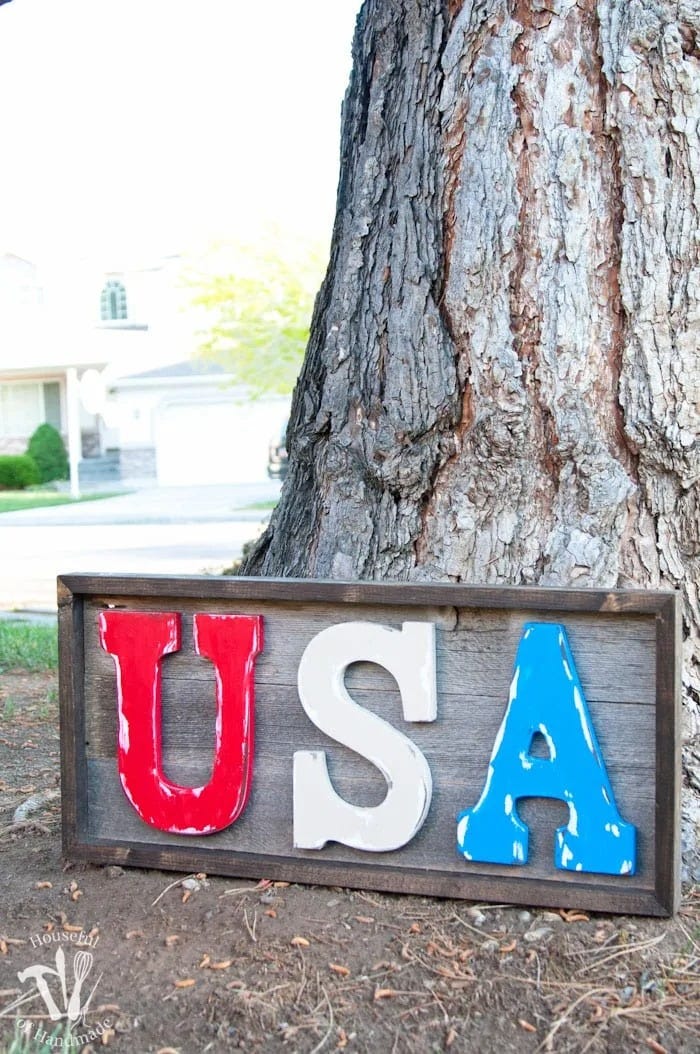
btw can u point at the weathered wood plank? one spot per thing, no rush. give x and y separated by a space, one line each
72 712
122 589
669 658
434 883
188 723
267 822
475 651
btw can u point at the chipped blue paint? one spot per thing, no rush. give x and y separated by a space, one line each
546 697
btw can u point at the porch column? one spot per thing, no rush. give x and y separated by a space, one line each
74 443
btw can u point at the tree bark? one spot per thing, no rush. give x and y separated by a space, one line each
502 382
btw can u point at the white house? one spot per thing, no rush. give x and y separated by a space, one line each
185 423
106 356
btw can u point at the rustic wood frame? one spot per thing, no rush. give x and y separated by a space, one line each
74 589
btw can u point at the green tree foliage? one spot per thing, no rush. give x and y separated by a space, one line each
47 449
258 301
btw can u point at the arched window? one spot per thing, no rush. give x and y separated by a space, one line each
113 302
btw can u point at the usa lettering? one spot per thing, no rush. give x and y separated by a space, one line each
546 699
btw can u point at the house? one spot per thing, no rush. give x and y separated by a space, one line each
106 356
185 423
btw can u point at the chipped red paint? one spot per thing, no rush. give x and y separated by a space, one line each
138 641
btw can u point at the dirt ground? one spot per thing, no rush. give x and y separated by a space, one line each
190 964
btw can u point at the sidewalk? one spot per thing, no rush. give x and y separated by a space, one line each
208 504
166 530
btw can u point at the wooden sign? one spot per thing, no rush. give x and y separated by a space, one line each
514 744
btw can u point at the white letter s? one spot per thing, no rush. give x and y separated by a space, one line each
320 814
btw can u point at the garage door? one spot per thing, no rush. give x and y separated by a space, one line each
215 441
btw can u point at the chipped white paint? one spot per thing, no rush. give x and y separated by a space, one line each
123 731
580 710
551 745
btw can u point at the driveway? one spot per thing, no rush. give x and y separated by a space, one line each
166 530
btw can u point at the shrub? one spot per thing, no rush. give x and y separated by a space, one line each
18 471
48 450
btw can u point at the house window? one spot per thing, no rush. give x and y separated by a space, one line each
52 404
113 302
24 406
21 409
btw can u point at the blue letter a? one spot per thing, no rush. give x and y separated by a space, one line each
546 697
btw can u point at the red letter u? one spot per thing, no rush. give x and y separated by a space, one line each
138 641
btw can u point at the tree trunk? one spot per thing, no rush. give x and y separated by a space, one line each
502 382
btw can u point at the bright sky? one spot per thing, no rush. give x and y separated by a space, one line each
154 126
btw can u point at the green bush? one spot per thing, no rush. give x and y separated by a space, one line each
48 450
18 471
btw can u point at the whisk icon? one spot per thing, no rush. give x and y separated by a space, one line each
81 968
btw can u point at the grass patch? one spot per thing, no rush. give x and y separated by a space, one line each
260 506
28 1044
16 500
28 646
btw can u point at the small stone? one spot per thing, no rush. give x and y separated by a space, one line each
552 918
538 934
476 916
114 871
647 983
332 903
525 916
192 884
490 946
